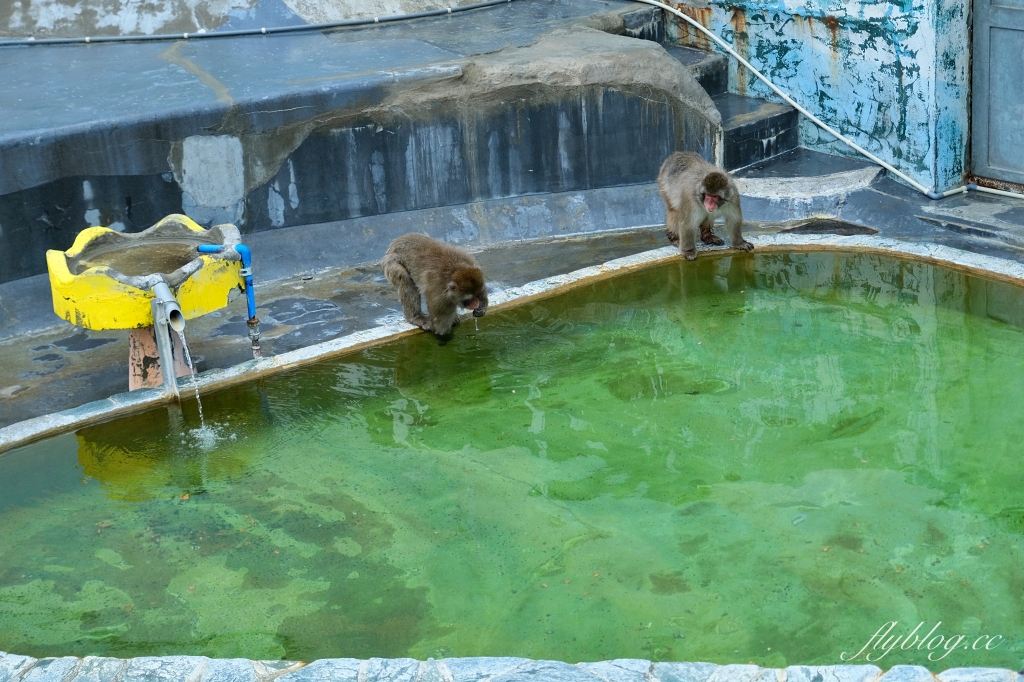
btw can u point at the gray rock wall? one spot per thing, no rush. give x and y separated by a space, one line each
579 109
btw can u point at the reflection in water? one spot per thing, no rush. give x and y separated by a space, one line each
753 458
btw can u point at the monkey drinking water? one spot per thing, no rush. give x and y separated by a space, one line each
447 276
695 193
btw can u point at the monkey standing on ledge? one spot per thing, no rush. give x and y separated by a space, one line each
447 276
695 193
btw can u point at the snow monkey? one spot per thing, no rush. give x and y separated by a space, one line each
447 276
696 192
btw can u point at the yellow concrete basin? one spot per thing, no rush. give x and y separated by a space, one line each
105 280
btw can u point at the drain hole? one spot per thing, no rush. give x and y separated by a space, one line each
829 227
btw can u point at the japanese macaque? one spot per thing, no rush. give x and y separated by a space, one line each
448 277
695 193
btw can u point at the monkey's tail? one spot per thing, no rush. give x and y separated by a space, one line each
394 271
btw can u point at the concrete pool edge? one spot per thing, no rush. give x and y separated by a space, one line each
15 668
391 328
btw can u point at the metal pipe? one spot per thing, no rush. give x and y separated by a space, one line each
166 315
251 31
171 309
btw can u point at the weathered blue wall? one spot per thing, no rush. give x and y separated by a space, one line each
890 74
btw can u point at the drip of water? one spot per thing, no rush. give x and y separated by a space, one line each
195 384
476 323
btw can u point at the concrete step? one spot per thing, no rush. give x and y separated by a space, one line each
755 129
710 68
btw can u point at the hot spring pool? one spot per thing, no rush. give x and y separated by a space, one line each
759 458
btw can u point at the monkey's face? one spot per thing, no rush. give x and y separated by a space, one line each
715 191
467 288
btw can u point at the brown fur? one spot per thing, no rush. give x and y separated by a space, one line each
716 183
683 181
447 276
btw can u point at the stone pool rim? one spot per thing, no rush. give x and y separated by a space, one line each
390 329
15 668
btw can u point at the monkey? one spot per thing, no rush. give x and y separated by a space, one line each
695 193
447 276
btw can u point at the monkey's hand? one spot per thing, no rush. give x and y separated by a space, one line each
743 245
690 255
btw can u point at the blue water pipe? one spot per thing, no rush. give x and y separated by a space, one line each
250 291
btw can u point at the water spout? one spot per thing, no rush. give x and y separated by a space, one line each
171 309
166 315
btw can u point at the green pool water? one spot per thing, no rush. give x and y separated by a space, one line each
761 458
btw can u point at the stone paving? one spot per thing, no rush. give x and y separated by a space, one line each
15 668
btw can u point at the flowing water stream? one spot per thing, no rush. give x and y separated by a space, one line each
205 437
192 373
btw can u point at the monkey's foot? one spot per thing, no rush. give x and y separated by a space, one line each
420 321
690 255
673 238
709 237
743 245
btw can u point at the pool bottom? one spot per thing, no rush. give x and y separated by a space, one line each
406 425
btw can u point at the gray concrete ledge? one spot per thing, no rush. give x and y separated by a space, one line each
15 668
394 326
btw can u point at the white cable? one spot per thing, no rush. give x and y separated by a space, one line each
1000 192
814 119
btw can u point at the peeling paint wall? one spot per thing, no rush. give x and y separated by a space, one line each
79 18
323 11
889 74
69 18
